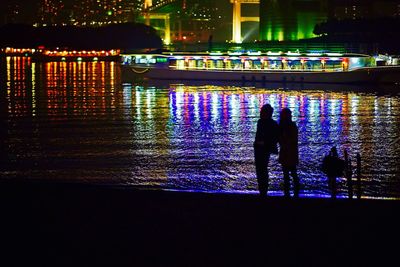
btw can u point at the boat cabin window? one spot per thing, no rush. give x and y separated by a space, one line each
251 62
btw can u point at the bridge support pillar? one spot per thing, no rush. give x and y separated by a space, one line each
236 22
167 33
148 4
167 25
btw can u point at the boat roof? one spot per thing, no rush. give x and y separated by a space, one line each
254 54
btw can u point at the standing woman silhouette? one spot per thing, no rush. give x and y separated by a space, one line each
289 151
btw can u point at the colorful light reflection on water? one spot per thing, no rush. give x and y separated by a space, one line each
77 122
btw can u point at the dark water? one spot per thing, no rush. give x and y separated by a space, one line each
78 122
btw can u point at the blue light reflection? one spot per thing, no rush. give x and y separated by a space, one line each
77 122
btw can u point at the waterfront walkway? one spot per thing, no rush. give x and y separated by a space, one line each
59 224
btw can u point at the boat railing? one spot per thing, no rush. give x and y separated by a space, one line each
257 69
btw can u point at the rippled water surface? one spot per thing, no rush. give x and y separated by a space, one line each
77 122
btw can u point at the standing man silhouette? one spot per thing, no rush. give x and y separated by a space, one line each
289 151
265 144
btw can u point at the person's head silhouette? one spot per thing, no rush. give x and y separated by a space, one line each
266 111
286 115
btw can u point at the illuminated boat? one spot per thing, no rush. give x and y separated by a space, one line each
259 67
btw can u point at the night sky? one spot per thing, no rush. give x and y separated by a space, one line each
28 10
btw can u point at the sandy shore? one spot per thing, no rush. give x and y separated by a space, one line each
65 224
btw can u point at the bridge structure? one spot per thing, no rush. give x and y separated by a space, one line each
152 12
237 18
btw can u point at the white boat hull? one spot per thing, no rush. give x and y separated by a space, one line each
358 76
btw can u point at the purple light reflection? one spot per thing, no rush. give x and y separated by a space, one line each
223 154
78 122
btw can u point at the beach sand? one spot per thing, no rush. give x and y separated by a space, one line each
73 224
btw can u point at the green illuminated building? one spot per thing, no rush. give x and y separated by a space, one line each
288 20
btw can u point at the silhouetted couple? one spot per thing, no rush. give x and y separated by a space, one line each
268 135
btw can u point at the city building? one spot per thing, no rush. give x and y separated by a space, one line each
363 9
188 21
285 20
192 21
288 20
196 21
87 12
53 12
